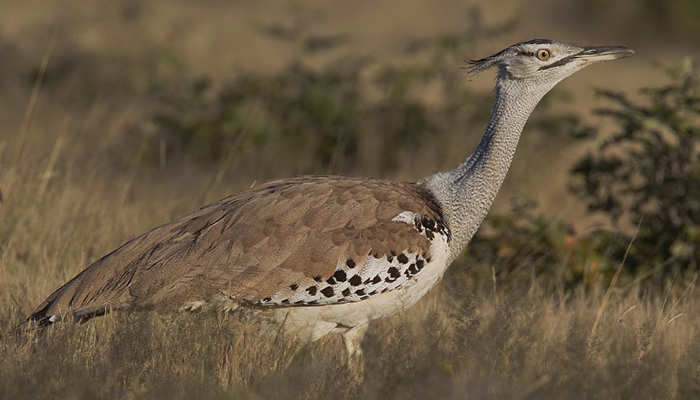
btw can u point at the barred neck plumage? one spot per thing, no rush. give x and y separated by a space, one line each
526 72
467 192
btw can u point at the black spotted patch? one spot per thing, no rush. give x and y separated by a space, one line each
432 227
351 284
394 274
340 275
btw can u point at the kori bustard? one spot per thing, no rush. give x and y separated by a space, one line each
322 254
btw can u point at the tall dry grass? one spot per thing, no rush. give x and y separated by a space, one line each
457 343
64 206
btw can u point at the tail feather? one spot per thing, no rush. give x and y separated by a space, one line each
41 318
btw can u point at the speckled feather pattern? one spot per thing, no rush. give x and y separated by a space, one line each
356 280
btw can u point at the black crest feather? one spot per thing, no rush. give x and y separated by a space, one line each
476 67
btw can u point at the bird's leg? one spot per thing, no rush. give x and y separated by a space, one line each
353 340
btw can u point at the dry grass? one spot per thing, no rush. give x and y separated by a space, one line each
457 343
460 342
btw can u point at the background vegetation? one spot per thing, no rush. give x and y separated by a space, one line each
105 139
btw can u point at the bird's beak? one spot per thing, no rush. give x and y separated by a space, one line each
604 53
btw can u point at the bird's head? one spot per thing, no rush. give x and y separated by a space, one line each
544 61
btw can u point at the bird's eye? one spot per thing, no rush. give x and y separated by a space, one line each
543 54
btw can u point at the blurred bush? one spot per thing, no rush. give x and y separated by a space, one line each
351 114
521 244
648 173
321 117
524 246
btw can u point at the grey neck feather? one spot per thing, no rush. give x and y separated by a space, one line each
467 192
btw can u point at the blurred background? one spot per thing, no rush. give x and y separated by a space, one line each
121 115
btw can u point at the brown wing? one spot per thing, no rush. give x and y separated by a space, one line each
253 245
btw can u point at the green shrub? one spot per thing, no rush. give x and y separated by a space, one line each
320 117
648 173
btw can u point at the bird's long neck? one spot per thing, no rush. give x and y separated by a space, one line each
467 192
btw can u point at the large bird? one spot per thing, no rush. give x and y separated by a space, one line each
322 254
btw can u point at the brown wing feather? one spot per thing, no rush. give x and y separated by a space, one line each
251 245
